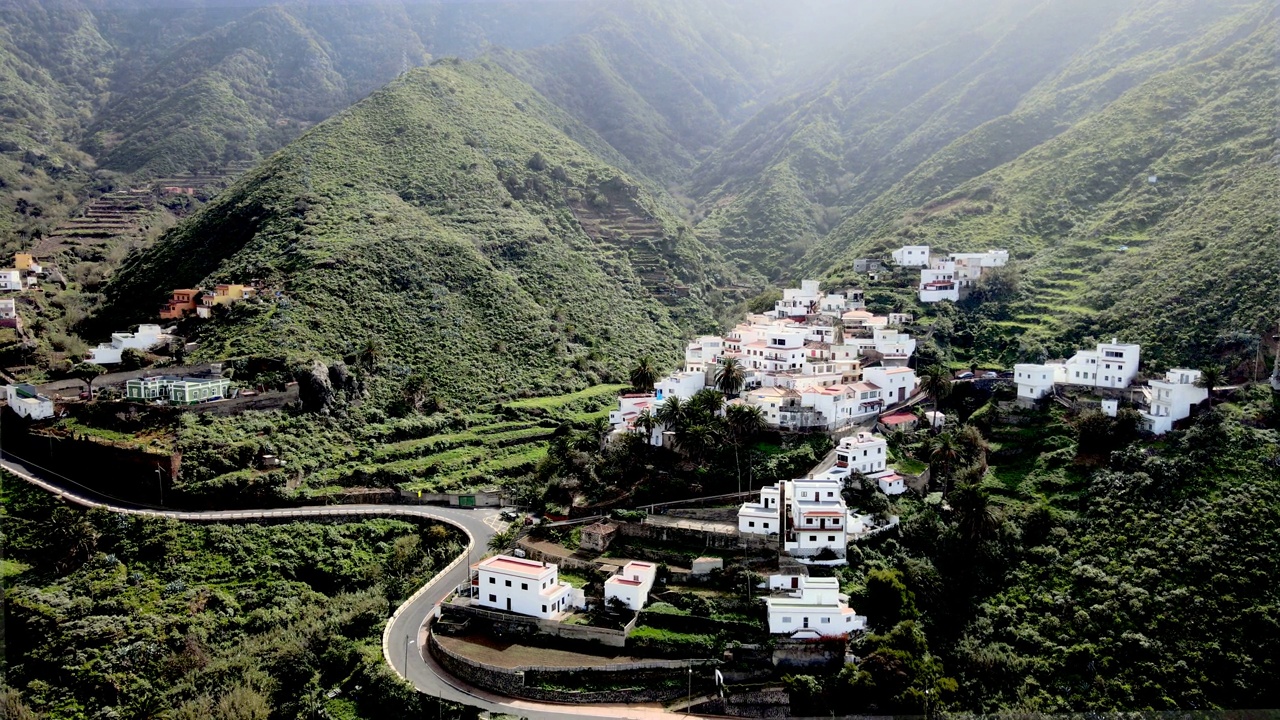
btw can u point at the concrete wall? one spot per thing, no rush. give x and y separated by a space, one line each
798 654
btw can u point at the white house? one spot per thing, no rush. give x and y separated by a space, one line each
864 452
798 303
911 256
1036 381
11 279
8 311
970 266
1111 365
527 587
632 584
815 608
892 483
27 402
630 406
703 353
1171 399
938 282
901 318
683 385
896 383
815 516
147 337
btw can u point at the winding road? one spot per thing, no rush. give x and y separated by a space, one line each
405 634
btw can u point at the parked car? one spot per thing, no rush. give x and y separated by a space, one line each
964 375
509 515
990 374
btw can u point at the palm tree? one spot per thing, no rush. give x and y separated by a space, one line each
730 377
706 402
370 353
944 453
936 383
973 446
742 423
644 374
976 517
645 423
1211 376
672 414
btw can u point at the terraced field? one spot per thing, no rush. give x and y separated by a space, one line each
508 442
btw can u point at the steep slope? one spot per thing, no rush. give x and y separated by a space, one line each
447 217
1093 231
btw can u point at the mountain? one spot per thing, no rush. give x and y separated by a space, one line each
1033 127
450 217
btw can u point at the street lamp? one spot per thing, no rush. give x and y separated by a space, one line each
408 640
160 484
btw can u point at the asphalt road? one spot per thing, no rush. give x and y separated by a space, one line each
404 635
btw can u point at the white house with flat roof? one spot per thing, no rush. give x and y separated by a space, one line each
27 402
683 385
703 353
939 282
632 584
1035 381
814 608
1172 399
1111 365
814 513
527 587
11 279
864 452
911 256
147 337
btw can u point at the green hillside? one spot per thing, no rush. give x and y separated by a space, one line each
448 217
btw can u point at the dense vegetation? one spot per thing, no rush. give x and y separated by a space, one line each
1075 567
111 615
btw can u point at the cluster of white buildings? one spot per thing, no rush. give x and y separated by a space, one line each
146 338
533 588
950 278
808 363
24 274
809 515
1114 366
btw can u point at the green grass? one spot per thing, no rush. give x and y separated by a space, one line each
554 402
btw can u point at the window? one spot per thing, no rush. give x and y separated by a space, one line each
751 523
848 618
544 585
524 586
544 608
786 619
492 580
766 526
813 538
508 583
493 598
826 621
831 538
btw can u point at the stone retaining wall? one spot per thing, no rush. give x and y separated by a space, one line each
522 682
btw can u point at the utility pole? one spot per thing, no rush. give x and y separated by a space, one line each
688 702
160 484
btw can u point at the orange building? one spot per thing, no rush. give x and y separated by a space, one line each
182 302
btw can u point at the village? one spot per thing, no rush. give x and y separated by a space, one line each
750 581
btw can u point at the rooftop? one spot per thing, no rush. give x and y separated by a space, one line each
514 565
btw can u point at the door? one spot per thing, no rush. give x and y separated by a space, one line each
466 501
795 582
508 603
806 622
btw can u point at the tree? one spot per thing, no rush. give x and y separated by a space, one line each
742 423
645 423
672 414
133 359
371 352
886 600
730 377
944 454
644 375
87 372
706 404
1211 377
936 383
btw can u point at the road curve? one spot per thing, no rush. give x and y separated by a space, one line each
404 634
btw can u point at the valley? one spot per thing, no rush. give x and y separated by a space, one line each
289 255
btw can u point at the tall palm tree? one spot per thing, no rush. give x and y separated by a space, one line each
742 423
730 377
976 517
936 383
371 353
1211 377
944 453
644 374
973 446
